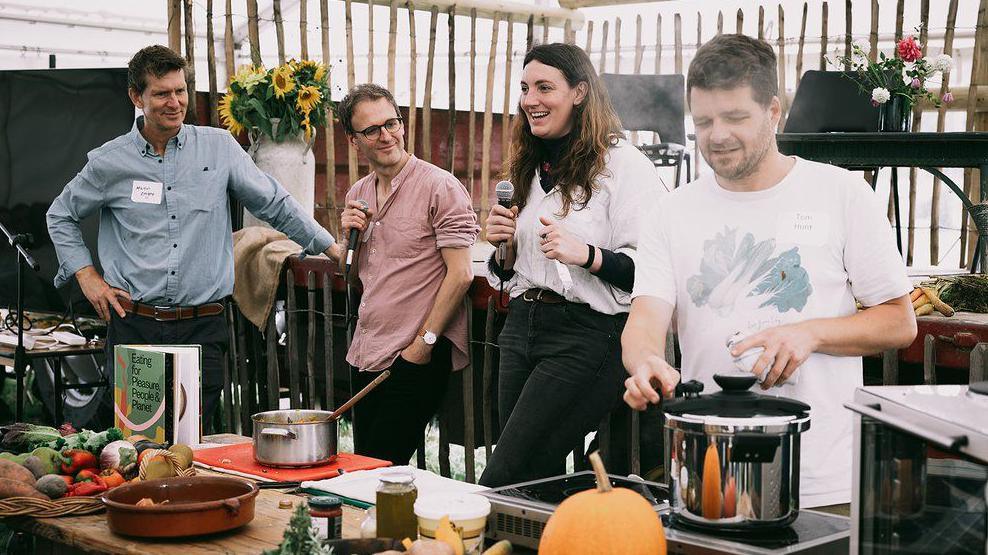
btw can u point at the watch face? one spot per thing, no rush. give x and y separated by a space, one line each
429 338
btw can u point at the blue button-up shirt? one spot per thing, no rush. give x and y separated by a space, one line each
165 226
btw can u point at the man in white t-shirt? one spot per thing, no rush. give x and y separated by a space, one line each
772 246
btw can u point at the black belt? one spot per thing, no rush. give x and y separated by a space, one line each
543 296
171 313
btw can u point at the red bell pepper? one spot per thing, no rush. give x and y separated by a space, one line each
93 487
86 475
79 459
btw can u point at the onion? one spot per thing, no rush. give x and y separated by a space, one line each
118 456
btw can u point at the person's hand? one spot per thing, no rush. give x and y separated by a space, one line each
640 388
790 345
417 352
100 294
501 224
334 252
559 244
353 217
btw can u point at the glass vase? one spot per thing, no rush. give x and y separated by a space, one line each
895 116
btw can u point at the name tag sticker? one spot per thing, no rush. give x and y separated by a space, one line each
147 192
804 228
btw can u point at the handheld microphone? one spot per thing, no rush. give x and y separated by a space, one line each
354 235
504 191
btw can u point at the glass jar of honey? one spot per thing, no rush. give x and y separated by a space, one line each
396 496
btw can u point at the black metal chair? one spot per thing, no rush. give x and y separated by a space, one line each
654 103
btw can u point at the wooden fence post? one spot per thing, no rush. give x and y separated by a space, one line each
451 65
231 64
175 25
393 42
485 163
191 114
505 115
823 37
303 29
214 116
412 78
948 48
370 41
279 28
802 41
924 11
427 104
330 131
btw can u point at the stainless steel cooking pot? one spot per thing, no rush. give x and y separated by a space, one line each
733 456
294 437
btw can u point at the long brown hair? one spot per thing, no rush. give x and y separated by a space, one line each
595 128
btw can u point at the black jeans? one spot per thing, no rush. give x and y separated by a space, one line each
209 331
390 421
560 375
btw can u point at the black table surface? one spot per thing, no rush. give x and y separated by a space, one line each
868 150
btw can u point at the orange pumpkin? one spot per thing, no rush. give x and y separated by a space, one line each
603 521
710 493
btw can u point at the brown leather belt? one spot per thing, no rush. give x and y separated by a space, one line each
543 296
171 313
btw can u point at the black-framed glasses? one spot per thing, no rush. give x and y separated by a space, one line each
373 132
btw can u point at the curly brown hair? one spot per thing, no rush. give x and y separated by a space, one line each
596 128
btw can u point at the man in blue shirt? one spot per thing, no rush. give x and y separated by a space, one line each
162 193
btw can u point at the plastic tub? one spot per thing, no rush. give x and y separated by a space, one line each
467 513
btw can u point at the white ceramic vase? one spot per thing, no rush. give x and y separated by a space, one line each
291 163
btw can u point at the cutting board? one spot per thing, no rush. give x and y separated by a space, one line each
239 458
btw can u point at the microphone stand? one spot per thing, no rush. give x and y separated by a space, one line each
18 241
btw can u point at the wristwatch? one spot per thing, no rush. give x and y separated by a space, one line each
429 337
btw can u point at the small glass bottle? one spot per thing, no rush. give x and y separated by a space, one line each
327 516
396 496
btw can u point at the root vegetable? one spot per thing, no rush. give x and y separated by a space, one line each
924 310
52 485
916 293
939 305
920 301
16 472
16 488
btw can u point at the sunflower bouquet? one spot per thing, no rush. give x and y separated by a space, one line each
279 102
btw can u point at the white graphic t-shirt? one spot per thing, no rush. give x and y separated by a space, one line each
742 262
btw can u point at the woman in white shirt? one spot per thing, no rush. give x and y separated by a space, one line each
568 268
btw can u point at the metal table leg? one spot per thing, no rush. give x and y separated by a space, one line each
56 367
895 205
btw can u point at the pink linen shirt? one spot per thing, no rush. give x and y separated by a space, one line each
400 265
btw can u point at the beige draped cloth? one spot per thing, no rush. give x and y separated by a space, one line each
259 254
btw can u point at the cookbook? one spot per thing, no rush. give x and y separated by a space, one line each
156 392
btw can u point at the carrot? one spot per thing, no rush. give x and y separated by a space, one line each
920 301
942 307
924 310
16 472
917 292
710 501
15 488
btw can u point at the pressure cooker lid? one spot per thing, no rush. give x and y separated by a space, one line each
736 400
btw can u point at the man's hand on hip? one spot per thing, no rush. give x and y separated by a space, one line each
100 294
653 373
417 352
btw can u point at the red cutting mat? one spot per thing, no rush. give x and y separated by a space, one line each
240 457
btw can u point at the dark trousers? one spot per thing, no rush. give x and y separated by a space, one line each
209 331
390 421
560 375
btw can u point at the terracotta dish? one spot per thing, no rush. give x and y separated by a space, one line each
189 506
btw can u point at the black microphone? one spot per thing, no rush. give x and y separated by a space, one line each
354 235
504 191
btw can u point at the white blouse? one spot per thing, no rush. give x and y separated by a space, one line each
625 190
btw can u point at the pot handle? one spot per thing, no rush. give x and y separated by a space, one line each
232 506
279 432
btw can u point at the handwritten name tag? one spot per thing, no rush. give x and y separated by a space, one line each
147 192
803 228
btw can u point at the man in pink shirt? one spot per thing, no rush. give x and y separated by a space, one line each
414 265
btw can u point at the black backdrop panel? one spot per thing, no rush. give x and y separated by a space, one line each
49 120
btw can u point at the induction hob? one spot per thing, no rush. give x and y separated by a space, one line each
519 513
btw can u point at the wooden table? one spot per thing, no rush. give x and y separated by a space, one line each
90 534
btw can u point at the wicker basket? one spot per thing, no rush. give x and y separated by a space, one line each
44 508
75 506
